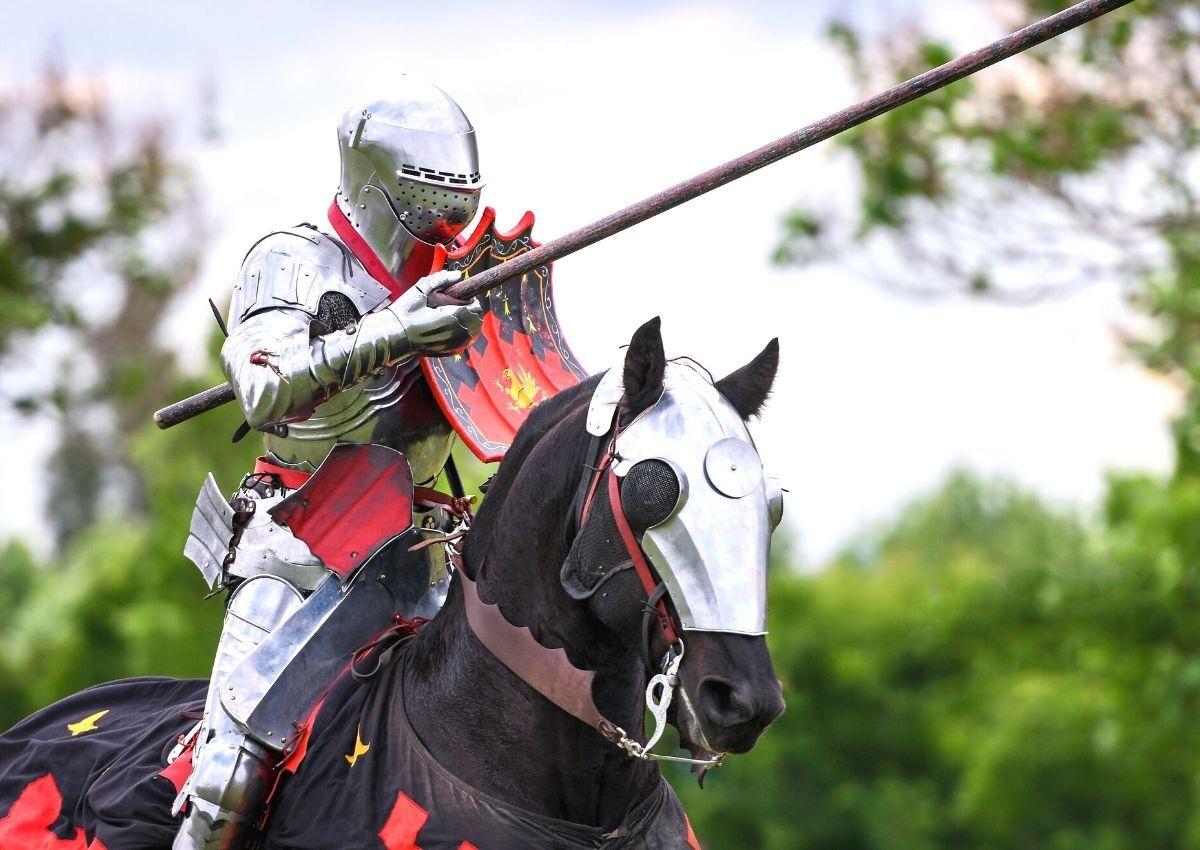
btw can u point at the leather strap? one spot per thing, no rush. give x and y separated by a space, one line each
634 547
547 671
291 478
427 497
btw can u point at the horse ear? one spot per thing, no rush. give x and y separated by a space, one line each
748 387
644 365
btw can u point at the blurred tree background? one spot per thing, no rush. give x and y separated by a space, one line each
100 229
985 671
982 670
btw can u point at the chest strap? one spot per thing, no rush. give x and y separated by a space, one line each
547 671
551 674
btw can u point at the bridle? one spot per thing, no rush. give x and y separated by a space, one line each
601 456
549 671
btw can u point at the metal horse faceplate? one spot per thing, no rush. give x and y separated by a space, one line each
712 551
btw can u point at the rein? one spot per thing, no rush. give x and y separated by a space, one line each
549 671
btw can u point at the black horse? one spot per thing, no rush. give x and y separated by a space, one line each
440 744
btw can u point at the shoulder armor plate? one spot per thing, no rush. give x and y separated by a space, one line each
293 268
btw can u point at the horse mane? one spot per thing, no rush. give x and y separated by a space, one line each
560 409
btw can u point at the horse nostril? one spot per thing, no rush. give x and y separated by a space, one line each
722 703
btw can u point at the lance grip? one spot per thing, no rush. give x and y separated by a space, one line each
464 290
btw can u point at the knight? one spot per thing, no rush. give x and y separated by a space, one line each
324 332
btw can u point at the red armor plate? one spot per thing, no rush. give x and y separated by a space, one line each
519 360
358 500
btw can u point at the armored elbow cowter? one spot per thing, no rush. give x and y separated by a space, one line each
280 375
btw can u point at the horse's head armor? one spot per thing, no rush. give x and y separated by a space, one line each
692 487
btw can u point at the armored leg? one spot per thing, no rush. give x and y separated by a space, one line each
231 770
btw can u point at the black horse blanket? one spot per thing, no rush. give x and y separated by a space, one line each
90 773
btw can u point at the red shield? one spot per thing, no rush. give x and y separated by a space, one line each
358 500
519 360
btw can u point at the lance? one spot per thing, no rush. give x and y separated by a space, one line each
839 122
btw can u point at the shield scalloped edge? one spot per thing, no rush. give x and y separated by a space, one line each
520 358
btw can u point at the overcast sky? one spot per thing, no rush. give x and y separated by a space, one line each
585 108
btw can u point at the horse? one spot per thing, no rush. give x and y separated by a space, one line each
466 733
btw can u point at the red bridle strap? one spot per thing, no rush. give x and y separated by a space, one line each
634 547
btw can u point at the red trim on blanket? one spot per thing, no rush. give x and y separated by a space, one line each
27 824
403 824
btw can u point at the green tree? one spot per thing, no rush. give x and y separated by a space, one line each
99 229
983 672
1068 165
979 672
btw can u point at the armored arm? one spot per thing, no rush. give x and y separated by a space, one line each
281 371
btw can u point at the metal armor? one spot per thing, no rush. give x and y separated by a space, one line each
308 385
710 468
410 171
323 335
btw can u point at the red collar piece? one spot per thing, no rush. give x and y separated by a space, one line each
360 249
424 259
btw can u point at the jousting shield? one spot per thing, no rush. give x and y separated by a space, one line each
519 360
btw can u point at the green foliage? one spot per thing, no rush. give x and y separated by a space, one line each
983 671
86 202
120 600
978 673
1090 136
98 230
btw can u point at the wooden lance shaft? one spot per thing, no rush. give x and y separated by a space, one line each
839 122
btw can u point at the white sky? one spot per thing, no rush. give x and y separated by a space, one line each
588 107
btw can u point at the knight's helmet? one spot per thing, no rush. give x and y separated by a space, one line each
410 171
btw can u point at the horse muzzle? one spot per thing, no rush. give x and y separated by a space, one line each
730 693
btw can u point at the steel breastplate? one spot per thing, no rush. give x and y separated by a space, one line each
394 409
